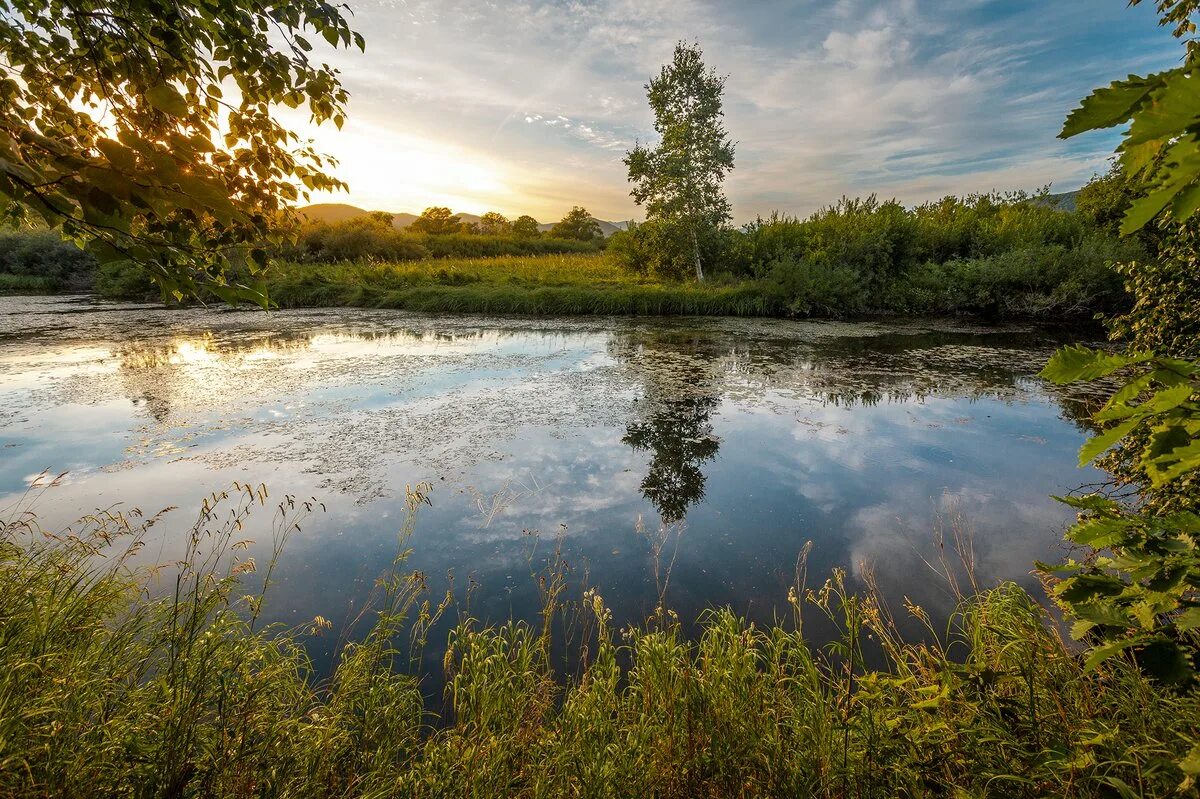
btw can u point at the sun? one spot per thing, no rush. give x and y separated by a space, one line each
387 170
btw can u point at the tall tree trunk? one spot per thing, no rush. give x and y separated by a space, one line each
696 254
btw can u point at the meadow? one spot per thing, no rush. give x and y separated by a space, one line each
106 686
535 285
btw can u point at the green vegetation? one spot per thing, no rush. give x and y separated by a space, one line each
373 239
1135 592
997 257
110 693
679 181
115 131
542 285
41 262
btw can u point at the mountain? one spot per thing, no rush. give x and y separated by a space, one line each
607 228
333 213
1064 201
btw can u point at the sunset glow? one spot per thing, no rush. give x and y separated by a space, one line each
529 107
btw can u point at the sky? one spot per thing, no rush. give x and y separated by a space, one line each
528 106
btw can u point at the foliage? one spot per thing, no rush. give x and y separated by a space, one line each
1139 589
1161 146
437 221
679 181
999 256
664 249
577 224
1105 198
108 115
1164 319
525 227
495 224
367 240
47 263
1136 590
112 691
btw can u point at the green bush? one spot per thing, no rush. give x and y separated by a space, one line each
111 690
122 280
373 239
664 250
46 261
808 289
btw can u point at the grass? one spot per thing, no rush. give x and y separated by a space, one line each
534 285
106 690
27 284
595 284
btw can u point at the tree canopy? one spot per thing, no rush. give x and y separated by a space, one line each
147 129
525 227
494 224
679 181
577 224
437 221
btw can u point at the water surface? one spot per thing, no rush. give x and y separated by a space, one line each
735 442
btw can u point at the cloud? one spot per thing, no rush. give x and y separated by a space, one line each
911 99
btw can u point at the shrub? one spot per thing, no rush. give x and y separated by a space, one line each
44 259
664 249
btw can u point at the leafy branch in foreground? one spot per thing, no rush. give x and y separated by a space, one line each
146 129
1162 144
1139 587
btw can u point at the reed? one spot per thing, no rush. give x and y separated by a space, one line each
109 689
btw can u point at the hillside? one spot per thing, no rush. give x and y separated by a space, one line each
340 212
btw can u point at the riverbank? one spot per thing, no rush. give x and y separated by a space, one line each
110 693
595 284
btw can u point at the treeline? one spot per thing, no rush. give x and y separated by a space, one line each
988 254
438 233
42 262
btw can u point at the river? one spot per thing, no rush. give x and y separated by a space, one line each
707 450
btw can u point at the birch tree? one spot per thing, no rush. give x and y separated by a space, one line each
680 180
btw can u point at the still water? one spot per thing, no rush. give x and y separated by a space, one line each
723 445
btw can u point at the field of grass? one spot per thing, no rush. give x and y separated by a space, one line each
26 284
106 692
536 285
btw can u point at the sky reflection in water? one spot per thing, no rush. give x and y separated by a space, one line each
745 438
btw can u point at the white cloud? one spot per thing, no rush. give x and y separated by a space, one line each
909 99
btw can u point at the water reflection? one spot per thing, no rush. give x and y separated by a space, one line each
680 439
680 390
752 437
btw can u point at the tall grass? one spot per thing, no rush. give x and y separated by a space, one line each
534 285
109 689
1050 286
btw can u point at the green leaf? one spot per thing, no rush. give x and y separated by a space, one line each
1142 210
1190 765
1099 443
1164 660
1108 106
1101 653
1173 106
167 99
1077 362
1100 533
1174 463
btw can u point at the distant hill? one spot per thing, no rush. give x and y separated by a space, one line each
1064 201
333 213
607 228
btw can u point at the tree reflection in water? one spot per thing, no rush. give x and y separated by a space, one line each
679 437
